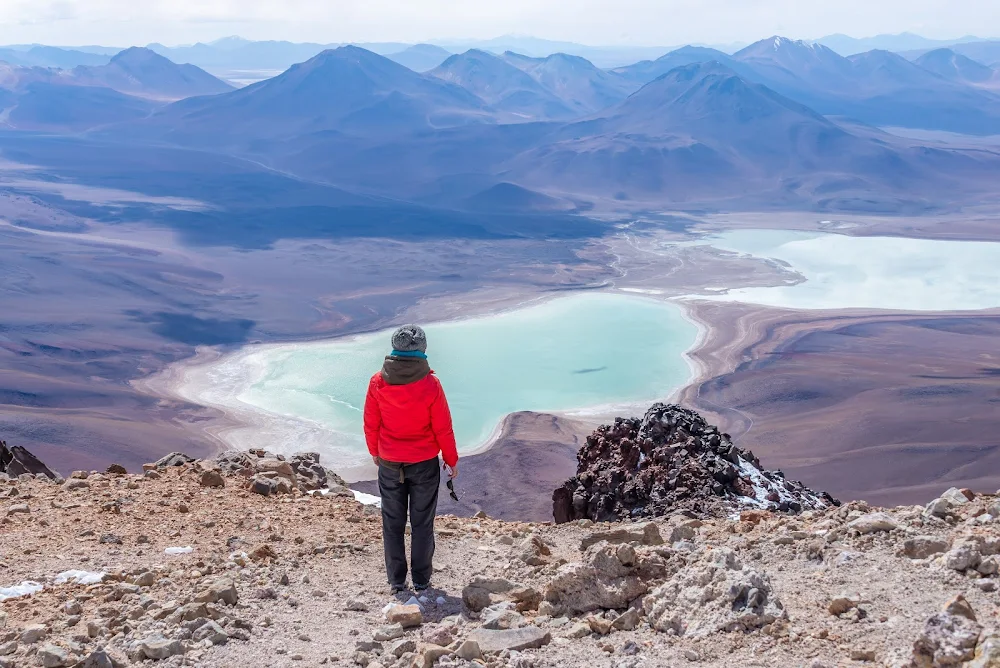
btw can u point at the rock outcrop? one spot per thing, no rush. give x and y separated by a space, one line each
17 461
673 460
715 594
610 577
266 473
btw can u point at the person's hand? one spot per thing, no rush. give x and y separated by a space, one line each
452 471
375 460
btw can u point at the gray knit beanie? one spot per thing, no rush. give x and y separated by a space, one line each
408 339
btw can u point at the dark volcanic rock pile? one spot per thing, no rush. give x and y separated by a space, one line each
672 460
17 461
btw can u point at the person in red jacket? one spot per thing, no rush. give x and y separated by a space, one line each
407 424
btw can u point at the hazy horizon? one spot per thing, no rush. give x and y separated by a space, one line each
589 22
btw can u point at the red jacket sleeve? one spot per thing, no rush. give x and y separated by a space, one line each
441 425
373 419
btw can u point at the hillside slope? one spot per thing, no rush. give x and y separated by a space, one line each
341 90
142 72
503 86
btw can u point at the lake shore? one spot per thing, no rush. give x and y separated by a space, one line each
886 406
215 380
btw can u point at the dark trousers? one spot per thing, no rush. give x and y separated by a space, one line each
413 487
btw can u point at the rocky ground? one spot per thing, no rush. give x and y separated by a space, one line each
187 565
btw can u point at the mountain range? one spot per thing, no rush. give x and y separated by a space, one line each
230 55
130 86
907 41
50 56
875 87
780 122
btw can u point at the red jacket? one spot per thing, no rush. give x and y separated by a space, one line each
409 423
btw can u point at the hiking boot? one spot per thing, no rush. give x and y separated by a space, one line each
397 588
421 587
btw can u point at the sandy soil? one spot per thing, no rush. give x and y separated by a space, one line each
889 407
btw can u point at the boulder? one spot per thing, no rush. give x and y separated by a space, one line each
223 590
469 651
873 523
987 652
212 478
310 474
669 460
157 647
956 496
476 598
52 656
963 555
957 605
512 640
949 638
610 577
406 616
173 459
400 647
477 594
716 593
282 468
264 486
32 633
922 547
844 603
502 619
646 534
101 658
17 461
234 462
390 632
211 632
627 621
534 551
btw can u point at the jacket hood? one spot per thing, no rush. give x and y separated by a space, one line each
404 370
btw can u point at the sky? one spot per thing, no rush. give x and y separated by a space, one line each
596 22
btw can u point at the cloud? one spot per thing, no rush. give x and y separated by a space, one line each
46 12
652 22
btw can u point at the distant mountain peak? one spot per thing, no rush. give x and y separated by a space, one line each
954 66
781 47
141 71
138 54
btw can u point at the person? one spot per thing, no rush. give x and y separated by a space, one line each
407 424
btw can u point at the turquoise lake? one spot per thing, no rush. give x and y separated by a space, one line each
586 350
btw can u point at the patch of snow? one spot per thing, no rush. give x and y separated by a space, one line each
777 43
179 550
367 499
79 577
26 588
762 487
